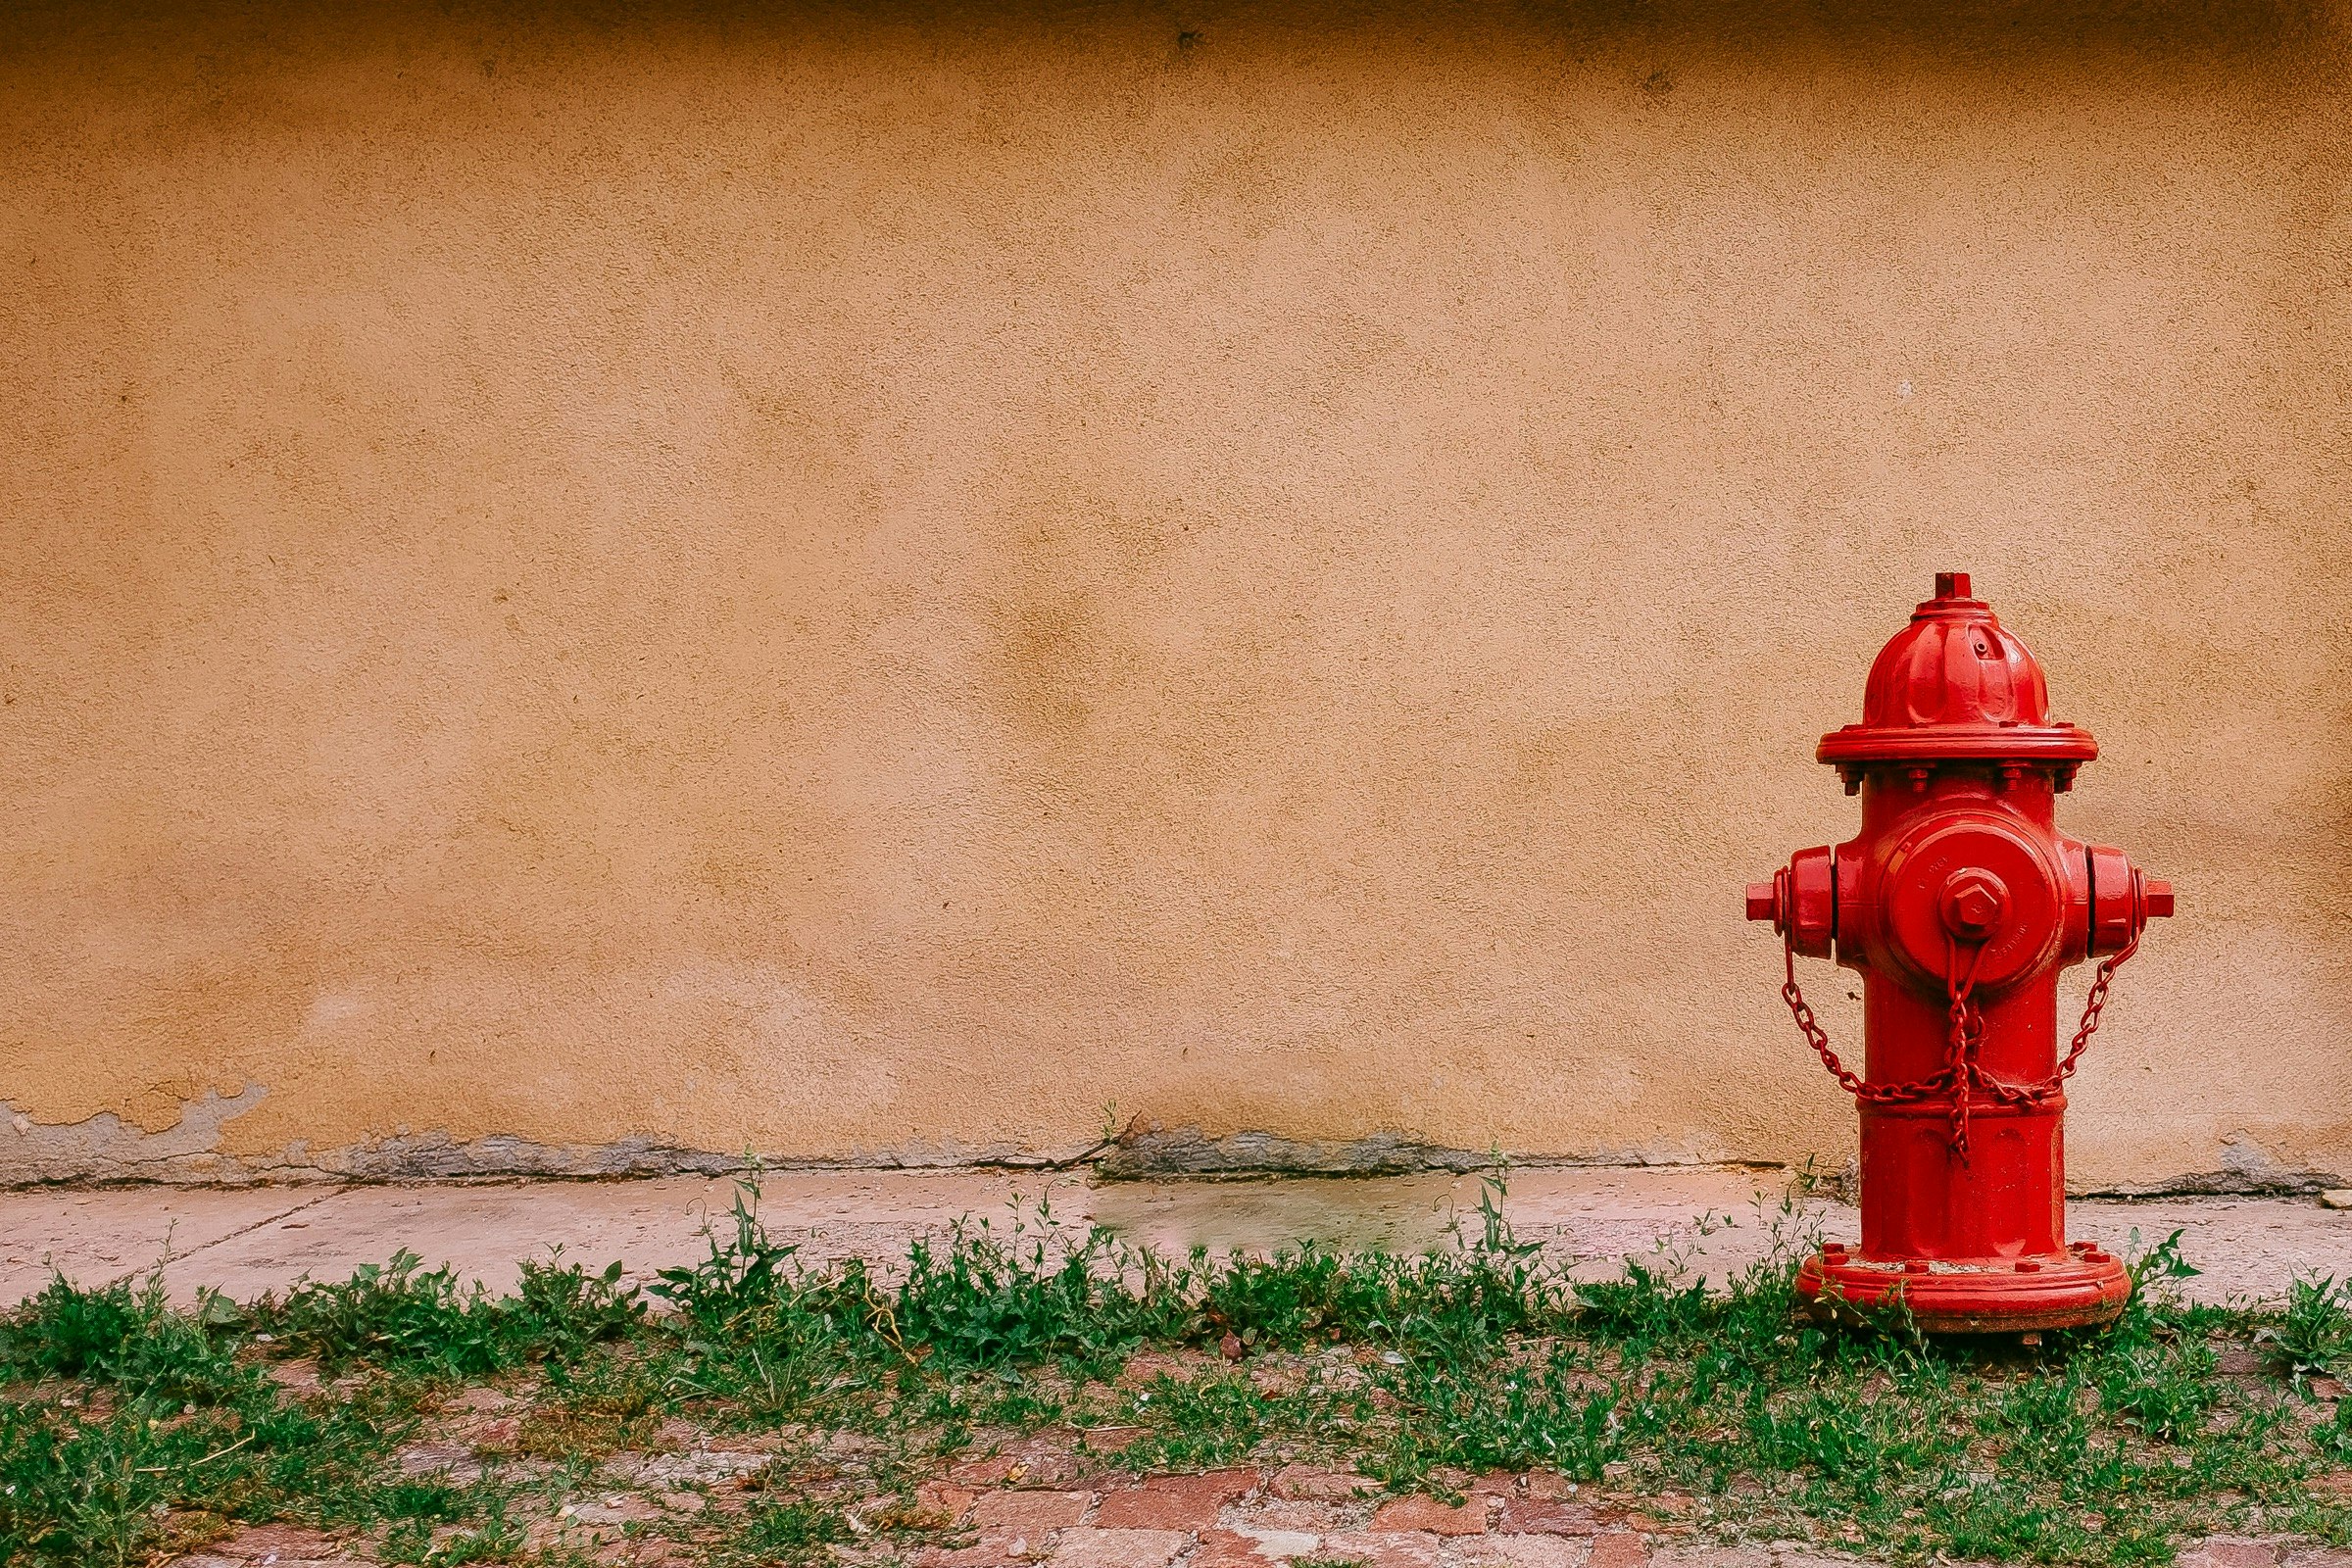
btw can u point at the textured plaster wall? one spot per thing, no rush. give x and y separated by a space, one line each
588 585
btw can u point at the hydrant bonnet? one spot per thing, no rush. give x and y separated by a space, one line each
1954 685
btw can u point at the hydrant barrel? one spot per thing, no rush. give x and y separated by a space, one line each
1959 903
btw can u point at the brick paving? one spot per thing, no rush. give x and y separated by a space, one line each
1225 1519
1254 1519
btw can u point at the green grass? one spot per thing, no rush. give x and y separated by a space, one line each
127 1426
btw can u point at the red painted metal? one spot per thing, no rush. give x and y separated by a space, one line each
1959 903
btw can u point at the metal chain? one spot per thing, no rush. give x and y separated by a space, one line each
1852 1083
1960 1048
1962 1076
2092 1005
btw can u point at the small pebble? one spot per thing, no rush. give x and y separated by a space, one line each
2336 1197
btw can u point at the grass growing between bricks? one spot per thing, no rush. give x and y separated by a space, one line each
1034 1390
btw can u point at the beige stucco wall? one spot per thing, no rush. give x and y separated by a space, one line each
867 581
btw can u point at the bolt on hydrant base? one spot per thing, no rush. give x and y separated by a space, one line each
1959 903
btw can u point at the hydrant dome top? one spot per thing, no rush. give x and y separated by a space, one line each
1956 685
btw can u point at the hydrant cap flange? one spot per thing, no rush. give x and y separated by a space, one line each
1954 685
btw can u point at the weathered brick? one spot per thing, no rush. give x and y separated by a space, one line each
451 1460
284 1541
641 1551
993 1550
1110 1440
1175 1502
295 1377
1029 1511
1539 1516
1234 1548
1032 1461
284 1545
1618 1549
1687 1555
617 1508
498 1436
1084 1548
1526 1551
1149 1366
2231 1551
1042 1460
942 1502
1318 1518
1437 1518
1223 1549
1308 1483
984 1469
1385 1549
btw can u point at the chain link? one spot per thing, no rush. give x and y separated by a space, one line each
1962 1076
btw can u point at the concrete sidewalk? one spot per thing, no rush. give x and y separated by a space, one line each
248 1239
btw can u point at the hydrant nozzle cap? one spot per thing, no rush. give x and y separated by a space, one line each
1956 686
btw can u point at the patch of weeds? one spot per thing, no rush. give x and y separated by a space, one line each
2314 1334
1205 1424
591 1427
398 1315
405 1317
2098 1446
560 1310
1035 1292
494 1538
129 1425
795 1532
1643 1307
124 1338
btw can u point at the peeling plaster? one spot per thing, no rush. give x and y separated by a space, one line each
105 1148
2247 1168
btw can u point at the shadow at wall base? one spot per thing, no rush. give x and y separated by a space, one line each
105 1151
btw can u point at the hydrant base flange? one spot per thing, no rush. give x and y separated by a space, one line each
2075 1289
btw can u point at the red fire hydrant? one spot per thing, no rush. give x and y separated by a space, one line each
1960 902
